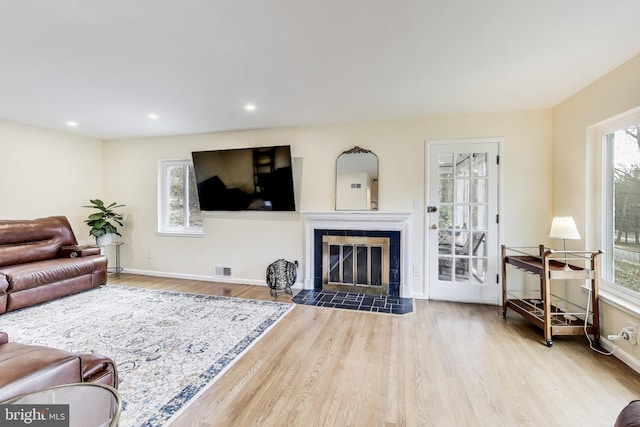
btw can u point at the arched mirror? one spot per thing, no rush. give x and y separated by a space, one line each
357 180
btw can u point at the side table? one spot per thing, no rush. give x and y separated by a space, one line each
116 268
77 405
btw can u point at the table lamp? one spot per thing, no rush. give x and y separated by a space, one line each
564 227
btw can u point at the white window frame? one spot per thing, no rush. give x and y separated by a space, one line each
622 297
163 201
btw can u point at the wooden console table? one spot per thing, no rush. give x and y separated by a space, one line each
542 307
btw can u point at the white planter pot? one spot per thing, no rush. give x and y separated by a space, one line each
104 240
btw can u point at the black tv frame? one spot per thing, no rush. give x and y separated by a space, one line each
245 179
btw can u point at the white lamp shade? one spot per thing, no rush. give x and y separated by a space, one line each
564 227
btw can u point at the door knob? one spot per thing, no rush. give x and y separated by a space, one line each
434 227
432 209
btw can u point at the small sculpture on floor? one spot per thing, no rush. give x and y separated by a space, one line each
281 275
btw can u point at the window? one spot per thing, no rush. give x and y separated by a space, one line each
178 207
621 234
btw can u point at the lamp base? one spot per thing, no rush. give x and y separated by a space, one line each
566 263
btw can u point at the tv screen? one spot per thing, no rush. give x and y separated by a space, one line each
241 179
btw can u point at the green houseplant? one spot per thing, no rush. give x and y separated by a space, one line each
101 223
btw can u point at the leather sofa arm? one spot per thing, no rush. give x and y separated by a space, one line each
98 368
629 416
4 338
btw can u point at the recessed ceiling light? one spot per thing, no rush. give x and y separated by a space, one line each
152 116
72 124
250 107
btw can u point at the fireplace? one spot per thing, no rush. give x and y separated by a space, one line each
356 264
329 268
358 252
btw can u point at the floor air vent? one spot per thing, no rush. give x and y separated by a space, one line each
221 271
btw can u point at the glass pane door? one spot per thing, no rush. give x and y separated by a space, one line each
461 233
462 222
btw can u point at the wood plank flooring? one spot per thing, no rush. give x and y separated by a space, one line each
445 364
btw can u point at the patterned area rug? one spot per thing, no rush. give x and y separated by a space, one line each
168 346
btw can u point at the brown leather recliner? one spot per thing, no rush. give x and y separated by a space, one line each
40 260
29 368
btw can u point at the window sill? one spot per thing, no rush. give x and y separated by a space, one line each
181 233
617 299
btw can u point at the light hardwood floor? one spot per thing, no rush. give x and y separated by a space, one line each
445 364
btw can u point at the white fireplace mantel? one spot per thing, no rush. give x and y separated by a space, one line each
360 220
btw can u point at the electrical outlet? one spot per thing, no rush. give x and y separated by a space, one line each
631 331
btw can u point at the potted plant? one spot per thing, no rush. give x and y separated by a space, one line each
100 222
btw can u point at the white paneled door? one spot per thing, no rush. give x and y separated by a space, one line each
462 221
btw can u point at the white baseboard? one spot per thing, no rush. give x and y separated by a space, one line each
619 353
231 280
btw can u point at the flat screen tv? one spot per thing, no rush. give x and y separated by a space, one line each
244 179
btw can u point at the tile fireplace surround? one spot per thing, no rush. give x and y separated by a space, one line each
358 221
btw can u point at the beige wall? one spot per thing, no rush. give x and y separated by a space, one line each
249 241
44 173
574 185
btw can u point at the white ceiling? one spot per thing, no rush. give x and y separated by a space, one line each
107 64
